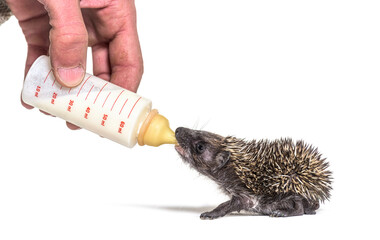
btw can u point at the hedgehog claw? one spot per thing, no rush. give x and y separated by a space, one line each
209 215
277 213
310 213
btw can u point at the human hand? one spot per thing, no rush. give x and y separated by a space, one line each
64 30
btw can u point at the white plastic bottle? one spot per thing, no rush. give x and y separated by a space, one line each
97 105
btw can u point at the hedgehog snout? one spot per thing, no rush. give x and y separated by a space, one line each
180 131
182 138
182 135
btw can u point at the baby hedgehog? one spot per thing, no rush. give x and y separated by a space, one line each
276 178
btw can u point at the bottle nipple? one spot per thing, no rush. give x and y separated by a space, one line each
155 131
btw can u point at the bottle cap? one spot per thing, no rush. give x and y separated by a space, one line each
155 131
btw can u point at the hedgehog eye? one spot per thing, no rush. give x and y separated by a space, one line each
200 148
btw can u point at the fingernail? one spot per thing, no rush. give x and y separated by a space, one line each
71 77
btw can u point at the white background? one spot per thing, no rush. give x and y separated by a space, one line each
254 69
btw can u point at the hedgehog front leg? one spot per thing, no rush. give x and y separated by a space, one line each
219 211
235 204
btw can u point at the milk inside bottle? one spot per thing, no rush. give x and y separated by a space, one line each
97 105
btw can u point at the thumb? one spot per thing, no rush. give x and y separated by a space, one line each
68 41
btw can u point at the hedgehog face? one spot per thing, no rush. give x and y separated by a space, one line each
201 149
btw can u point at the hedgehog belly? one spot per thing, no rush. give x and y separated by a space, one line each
282 167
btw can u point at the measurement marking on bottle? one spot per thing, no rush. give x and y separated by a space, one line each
99 93
53 98
53 82
47 75
133 107
87 113
122 124
123 106
70 90
106 99
71 104
83 85
105 116
116 100
38 90
89 92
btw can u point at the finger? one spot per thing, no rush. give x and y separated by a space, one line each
72 126
94 3
125 55
34 51
126 62
35 27
68 41
100 61
46 113
36 37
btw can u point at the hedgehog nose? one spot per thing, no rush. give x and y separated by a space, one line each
178 131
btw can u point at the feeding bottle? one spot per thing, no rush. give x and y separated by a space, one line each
97 105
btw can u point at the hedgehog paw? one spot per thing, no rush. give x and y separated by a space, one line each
278 213
310 212
210 215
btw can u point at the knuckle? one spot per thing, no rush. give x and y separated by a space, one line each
70 39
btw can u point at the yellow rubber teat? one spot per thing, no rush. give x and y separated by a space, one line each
155 131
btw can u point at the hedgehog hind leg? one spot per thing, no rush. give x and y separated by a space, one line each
310 207
286 207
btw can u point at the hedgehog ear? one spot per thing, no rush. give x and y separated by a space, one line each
222 159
